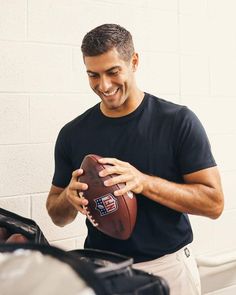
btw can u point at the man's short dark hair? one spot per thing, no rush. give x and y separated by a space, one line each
106 37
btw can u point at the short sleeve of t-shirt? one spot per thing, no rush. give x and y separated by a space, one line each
193 147
63 167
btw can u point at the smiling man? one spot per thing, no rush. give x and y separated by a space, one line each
157 148
112 78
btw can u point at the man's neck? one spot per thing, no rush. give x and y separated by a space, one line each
130 105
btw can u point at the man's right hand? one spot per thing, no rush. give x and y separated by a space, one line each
63 204
74 192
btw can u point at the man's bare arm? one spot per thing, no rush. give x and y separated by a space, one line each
63 204
201 194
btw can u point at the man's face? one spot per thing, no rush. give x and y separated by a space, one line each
112 79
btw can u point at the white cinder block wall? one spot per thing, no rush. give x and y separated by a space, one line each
187 54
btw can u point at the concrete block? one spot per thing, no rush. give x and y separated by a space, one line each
202 230
50 21
41 167
18 204
158 72
193 7
13 19
14 119
35 68
194 75
163 4
139 3
224 146
194 33
56 110
222 28
14 171
30 165
50 230
223 236
223 73
54 21
157 32
222 10
222 35
229 189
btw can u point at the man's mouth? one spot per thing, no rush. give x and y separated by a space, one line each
111 93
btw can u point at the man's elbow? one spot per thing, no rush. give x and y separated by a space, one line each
218 206
56 220
53 215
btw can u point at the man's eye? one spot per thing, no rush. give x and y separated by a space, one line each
114 73
91 75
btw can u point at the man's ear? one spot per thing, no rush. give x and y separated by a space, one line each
134 61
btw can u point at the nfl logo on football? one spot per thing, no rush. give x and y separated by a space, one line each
106 204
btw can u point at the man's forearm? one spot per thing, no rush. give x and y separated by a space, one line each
60 209
192 198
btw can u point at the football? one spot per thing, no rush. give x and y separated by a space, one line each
114 216
17 238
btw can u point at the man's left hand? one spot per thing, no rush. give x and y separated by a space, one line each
126 173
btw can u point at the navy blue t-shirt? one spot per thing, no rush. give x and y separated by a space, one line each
159 138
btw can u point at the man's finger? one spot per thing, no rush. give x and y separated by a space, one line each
117 180
112 170
77 173
112 161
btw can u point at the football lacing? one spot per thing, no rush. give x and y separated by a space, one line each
90 217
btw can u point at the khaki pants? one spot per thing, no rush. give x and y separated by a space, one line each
179 269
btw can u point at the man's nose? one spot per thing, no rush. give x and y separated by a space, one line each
104 84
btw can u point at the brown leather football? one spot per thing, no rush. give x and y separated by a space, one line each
17 238
114 216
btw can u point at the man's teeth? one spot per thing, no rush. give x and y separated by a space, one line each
110 93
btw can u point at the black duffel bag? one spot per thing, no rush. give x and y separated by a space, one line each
106 273
118 275
12 223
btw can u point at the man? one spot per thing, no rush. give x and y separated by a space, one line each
159 149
